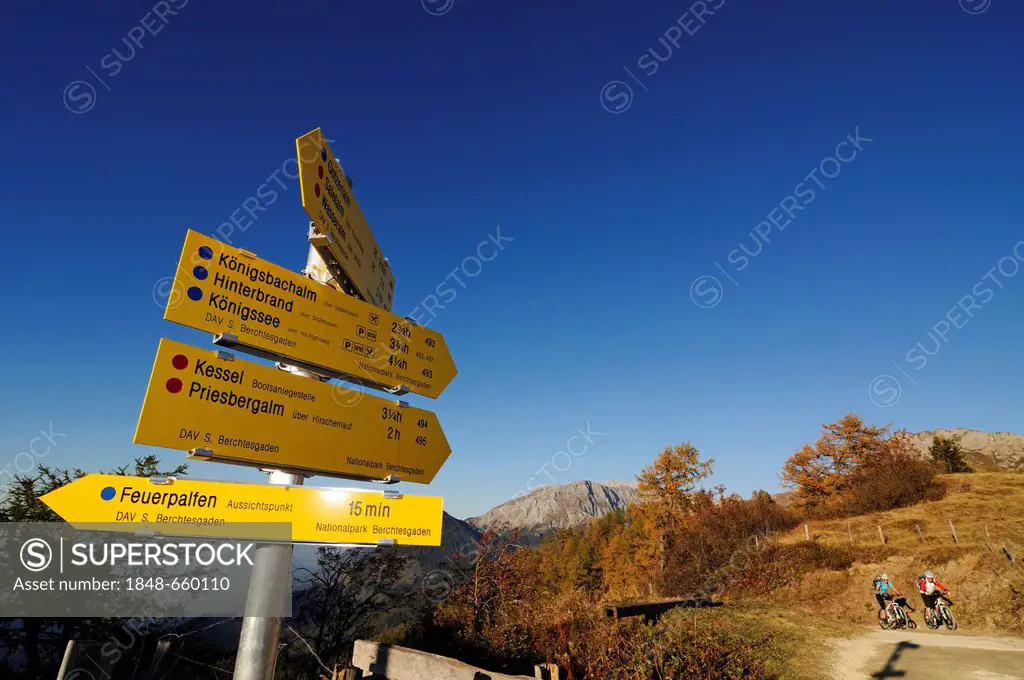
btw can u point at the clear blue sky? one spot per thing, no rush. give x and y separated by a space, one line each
494 114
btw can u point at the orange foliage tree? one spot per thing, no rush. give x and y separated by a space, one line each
852 461
669 484
629 559
668 493
821 472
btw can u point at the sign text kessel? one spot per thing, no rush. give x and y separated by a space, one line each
239 411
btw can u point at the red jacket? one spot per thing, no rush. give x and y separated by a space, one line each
922 584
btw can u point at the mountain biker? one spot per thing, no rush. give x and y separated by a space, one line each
930 589
883 592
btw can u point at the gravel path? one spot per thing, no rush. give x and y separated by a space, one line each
924 654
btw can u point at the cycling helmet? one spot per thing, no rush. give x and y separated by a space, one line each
929 574
884 577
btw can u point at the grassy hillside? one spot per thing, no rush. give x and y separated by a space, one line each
987 588
972 502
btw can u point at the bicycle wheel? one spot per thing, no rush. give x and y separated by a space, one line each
948 618
901 617
911 623
883 622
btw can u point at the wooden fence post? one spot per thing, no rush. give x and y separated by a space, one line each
757 545
881 535
988 540
849 532
807 532
919 534
547 671
69 655
953 529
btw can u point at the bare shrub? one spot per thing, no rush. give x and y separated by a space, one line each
888 482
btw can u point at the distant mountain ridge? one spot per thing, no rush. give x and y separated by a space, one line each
550 508
985 451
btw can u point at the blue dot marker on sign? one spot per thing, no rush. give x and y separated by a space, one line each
108 493
205 252
195 294
323 154
200 273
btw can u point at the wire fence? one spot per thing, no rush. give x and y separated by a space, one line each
919 534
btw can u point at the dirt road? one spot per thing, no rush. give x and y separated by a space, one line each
926 654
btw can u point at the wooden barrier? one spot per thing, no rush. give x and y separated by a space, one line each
651 611
380 662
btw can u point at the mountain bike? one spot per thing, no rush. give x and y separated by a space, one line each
898 618
943 615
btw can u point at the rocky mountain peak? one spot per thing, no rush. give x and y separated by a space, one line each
557 507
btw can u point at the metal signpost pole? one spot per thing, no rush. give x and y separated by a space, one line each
271 572
256 658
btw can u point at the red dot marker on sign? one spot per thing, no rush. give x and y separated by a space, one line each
180 362
174 386
316 190
320 171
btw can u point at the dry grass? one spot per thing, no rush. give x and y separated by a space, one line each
987 589
799 649
973 502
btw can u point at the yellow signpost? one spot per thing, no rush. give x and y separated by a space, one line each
287 422
268 310
239 411
229 510
342 232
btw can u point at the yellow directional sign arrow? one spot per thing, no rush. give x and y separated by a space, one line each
343 234
267 310
230 510
226 409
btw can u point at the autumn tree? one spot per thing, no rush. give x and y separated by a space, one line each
670 482
348 593
668 491
823 471
630 558
574 559
494 612
856 468
948 454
